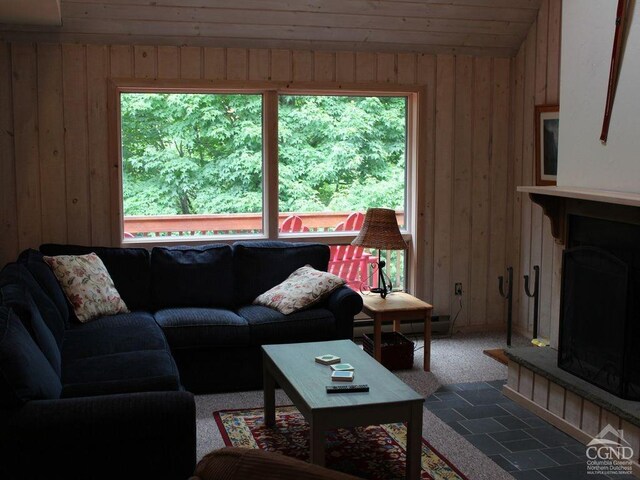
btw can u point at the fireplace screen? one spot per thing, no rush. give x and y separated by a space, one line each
598 328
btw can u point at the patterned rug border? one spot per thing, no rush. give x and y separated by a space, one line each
227 440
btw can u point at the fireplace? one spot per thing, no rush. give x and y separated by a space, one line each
600 304
593 379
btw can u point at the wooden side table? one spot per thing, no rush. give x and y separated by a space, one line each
396 307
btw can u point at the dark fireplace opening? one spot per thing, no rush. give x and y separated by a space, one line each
599 315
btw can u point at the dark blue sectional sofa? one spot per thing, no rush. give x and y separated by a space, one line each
112 398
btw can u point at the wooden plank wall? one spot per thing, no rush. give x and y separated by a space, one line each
535 81
55 165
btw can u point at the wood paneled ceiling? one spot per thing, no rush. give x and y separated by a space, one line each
484 27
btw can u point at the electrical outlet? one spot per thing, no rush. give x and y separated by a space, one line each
457 289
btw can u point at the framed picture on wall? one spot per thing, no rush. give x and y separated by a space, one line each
546 123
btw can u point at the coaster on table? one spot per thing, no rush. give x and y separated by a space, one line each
342 376
342 367
328 359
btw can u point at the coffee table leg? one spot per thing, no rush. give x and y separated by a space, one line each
414 443
317 440
269 397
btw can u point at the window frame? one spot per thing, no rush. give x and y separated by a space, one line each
270 91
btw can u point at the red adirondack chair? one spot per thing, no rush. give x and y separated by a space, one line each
351 262
293 224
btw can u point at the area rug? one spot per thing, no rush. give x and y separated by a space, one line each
375 452
497 354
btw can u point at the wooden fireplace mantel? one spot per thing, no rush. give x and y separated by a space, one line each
553 202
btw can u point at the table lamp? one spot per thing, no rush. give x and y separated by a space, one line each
380 231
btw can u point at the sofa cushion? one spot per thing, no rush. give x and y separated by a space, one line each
259 266
126 332
25 373
126 372
129 268
270 326
187 276
116 321
17 273
20 301
302 289
33 261
87 285
187 328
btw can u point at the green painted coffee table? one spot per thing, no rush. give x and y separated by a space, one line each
389 400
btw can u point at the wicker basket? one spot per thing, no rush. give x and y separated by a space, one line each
397 350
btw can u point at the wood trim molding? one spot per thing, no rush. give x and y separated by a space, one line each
270 163
115 168
126 84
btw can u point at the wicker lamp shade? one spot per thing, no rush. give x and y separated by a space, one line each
380 230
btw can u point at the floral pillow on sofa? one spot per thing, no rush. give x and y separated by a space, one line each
303 288
87 285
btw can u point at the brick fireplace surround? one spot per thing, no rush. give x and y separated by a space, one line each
535 381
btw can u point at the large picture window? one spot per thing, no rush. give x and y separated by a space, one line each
225 165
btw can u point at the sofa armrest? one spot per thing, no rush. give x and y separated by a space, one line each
232 463
344 303
146 435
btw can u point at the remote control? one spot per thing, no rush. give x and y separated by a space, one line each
347 388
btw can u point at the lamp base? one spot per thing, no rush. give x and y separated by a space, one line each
382 291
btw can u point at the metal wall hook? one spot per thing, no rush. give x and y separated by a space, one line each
508 296
536 270
534 295
509 283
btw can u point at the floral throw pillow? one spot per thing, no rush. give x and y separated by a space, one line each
303 288
87 285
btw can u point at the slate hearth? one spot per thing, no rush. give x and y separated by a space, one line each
569 403
514 438
544 362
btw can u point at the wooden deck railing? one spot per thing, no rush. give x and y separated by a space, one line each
248 223
219 224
